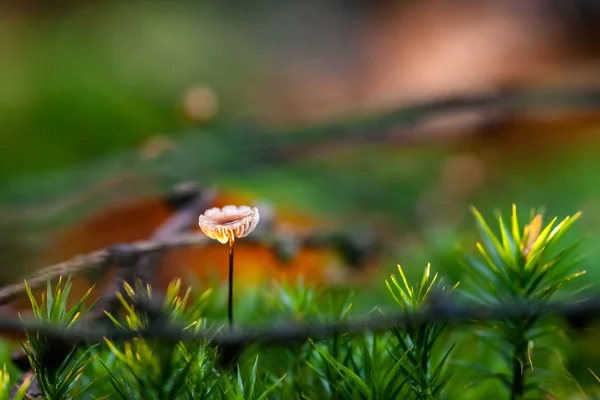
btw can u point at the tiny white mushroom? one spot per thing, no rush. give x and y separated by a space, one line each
227 223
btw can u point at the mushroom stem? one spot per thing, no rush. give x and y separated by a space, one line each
230 298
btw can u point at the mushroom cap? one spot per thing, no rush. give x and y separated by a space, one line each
227 223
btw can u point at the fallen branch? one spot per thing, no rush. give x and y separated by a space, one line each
101 259
443 309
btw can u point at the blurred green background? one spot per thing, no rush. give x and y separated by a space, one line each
83 81
220 92
225 93
239 96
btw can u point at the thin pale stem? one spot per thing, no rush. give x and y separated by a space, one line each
230 298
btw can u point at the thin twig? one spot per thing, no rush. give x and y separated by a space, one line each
140 267
407 125
295 332
103 258
96 260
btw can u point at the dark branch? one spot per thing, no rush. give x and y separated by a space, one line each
294 332
103 258
135 266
